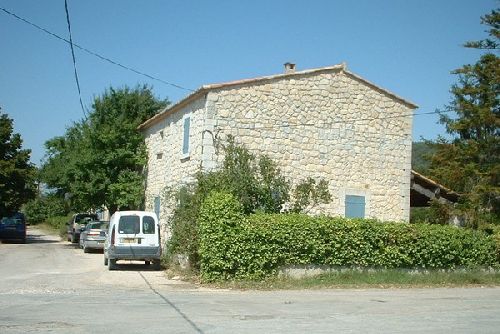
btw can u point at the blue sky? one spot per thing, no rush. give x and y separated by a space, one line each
407 47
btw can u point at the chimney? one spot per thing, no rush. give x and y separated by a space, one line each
289 68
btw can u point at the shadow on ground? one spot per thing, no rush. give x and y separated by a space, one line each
135 266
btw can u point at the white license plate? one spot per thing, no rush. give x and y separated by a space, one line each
129 240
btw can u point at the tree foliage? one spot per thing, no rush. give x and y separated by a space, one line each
469 163
421 153
17 174
99 160
44 207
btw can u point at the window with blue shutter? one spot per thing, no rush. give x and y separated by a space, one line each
185 140
157 206
354 206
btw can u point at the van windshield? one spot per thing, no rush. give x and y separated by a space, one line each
129 225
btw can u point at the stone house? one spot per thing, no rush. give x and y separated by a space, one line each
324 123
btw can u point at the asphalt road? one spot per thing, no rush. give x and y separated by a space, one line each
50 286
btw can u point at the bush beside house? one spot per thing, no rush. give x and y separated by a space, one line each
235 246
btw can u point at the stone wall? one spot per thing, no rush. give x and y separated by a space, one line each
168 168
330 125
323 124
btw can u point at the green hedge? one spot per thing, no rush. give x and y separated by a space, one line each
234 246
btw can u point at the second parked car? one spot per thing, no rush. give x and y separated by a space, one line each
77 223
93 236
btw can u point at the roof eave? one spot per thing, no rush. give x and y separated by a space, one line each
171 109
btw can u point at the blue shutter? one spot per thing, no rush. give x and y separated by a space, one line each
157 207
354 206
185 141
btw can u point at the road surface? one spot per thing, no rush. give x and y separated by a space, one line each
48 285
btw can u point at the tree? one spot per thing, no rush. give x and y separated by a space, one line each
17 174
470 162
100 160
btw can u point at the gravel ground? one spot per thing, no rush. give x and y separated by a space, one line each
48 285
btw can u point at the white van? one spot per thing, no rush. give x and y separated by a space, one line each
132 235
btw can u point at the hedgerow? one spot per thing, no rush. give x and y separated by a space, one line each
235 246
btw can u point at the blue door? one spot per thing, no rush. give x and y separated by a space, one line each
354 206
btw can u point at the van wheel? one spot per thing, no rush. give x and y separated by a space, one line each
105 261
111 264
147 263
156 265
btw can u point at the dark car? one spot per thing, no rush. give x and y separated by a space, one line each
93 236
13 228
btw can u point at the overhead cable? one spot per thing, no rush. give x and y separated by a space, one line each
95 53
73 55
350 121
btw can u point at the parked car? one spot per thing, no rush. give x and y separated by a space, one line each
13 228
132 235
77 223
93 236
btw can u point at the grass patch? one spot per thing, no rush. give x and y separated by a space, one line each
371 279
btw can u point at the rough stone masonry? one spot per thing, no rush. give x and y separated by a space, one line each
323 123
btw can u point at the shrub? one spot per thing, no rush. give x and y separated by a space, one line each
220 217
255 247
255 182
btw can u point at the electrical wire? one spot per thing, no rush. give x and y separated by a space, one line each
73 55
352 121
95 54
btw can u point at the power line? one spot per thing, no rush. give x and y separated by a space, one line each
95 53
288 125
73 55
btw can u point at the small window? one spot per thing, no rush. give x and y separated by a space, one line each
128 225
157 203
354 206
185 138
148 225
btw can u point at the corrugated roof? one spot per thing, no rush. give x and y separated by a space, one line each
206 88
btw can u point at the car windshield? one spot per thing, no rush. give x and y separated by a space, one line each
84 219
100 226
129 225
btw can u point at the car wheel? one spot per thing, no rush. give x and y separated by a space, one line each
85 248
156 265
147 263
111 264
73 238
105 261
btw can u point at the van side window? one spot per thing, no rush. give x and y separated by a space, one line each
148 225
128 225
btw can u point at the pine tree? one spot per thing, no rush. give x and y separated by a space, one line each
469 163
